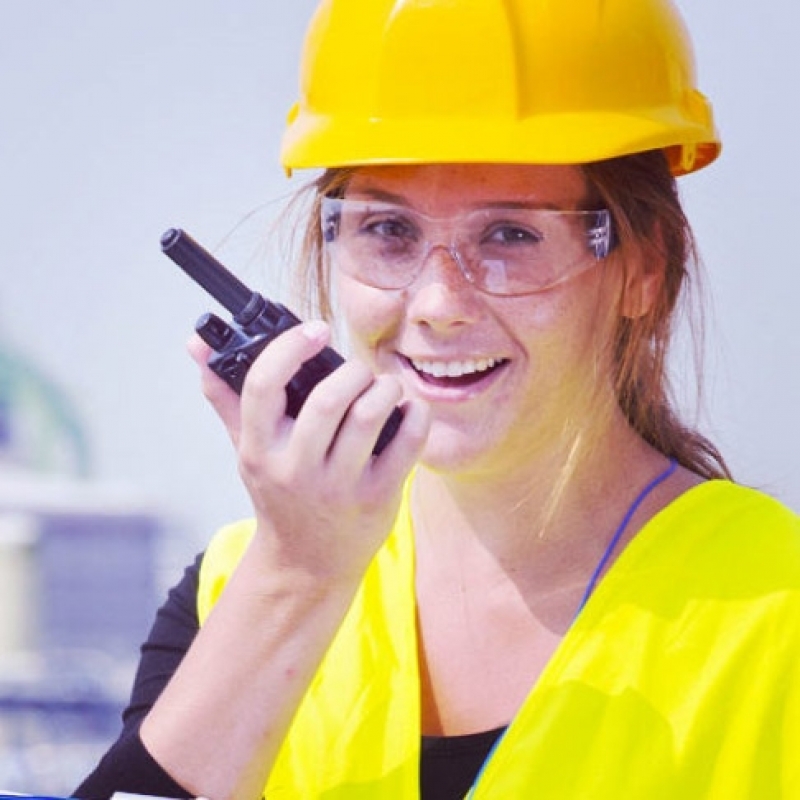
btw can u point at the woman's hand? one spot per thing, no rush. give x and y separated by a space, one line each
322 500
324 504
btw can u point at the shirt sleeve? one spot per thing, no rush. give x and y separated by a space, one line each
127 766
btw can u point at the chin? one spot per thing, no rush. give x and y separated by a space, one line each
448 450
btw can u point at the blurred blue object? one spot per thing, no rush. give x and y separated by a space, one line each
78 591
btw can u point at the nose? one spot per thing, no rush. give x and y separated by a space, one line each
443 262
441 296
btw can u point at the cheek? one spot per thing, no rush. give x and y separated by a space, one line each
370 315
573 328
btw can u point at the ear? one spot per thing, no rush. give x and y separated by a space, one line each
644 276
642 285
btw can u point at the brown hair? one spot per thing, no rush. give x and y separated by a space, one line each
312 280
642 196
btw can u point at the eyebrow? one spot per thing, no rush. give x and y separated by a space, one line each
375 193
372 193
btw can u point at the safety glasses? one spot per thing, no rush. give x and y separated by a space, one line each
506 251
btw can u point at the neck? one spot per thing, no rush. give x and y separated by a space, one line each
555 511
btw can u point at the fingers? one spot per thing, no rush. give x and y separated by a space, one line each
347 414
406 447
262 405
263 411
222 398
340 421
344 416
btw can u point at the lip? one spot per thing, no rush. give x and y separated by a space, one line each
452 379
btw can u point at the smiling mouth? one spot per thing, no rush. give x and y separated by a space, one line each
456 373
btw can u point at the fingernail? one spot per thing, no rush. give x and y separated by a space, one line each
315 329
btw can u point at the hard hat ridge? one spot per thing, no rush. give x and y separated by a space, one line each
431 58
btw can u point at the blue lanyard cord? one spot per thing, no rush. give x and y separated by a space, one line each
612 545
609 551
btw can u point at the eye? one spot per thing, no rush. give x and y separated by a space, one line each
511 234
388 226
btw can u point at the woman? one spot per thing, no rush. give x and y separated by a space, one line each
545 585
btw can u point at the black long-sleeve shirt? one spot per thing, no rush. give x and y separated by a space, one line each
448 765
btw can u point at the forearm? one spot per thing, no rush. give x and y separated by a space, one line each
218 725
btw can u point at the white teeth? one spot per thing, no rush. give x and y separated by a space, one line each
454 369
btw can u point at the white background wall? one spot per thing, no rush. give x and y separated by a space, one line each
121 119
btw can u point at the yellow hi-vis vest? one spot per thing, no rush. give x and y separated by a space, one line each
680 678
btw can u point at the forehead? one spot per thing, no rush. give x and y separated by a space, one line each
445 188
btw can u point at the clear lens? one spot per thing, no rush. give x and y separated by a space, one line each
500 250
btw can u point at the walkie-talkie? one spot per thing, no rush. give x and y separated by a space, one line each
256 322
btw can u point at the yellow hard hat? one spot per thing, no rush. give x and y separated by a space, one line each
508 81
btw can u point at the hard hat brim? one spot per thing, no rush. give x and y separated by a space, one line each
315 140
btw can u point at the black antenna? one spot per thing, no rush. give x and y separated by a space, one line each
201 266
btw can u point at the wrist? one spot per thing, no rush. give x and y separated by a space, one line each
276 573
